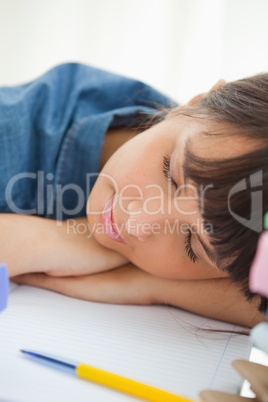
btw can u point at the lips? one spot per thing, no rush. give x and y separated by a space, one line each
108 223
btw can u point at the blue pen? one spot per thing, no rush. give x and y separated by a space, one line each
4 286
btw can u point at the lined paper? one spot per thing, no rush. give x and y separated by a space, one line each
157 345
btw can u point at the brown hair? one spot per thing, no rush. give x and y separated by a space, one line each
242 105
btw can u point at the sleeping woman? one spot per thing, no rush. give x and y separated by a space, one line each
111 192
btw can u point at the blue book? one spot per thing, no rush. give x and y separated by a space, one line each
4 284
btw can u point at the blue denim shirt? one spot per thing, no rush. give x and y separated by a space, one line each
52 131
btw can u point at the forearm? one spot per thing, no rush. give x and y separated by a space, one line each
215 298
35 244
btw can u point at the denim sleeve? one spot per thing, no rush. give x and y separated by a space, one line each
52 131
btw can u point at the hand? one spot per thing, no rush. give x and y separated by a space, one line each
124 285
198 97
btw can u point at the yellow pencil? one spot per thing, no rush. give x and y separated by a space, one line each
102 377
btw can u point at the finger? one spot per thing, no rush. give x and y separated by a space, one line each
70 286
218 85
196 99
104 287
124 285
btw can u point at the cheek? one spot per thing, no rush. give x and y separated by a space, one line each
168 259
139 161
158 257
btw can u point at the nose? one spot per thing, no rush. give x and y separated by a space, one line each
145 221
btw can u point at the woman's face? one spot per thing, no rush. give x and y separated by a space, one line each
142 208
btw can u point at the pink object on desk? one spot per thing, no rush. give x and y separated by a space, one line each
258 278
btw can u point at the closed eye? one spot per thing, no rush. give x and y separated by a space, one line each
188 247
166 170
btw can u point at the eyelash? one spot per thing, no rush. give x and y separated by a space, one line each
188 247
187 242
166 170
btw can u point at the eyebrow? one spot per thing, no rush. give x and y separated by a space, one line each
209 253
185 154
183 165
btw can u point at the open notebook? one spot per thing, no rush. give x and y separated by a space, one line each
160 346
